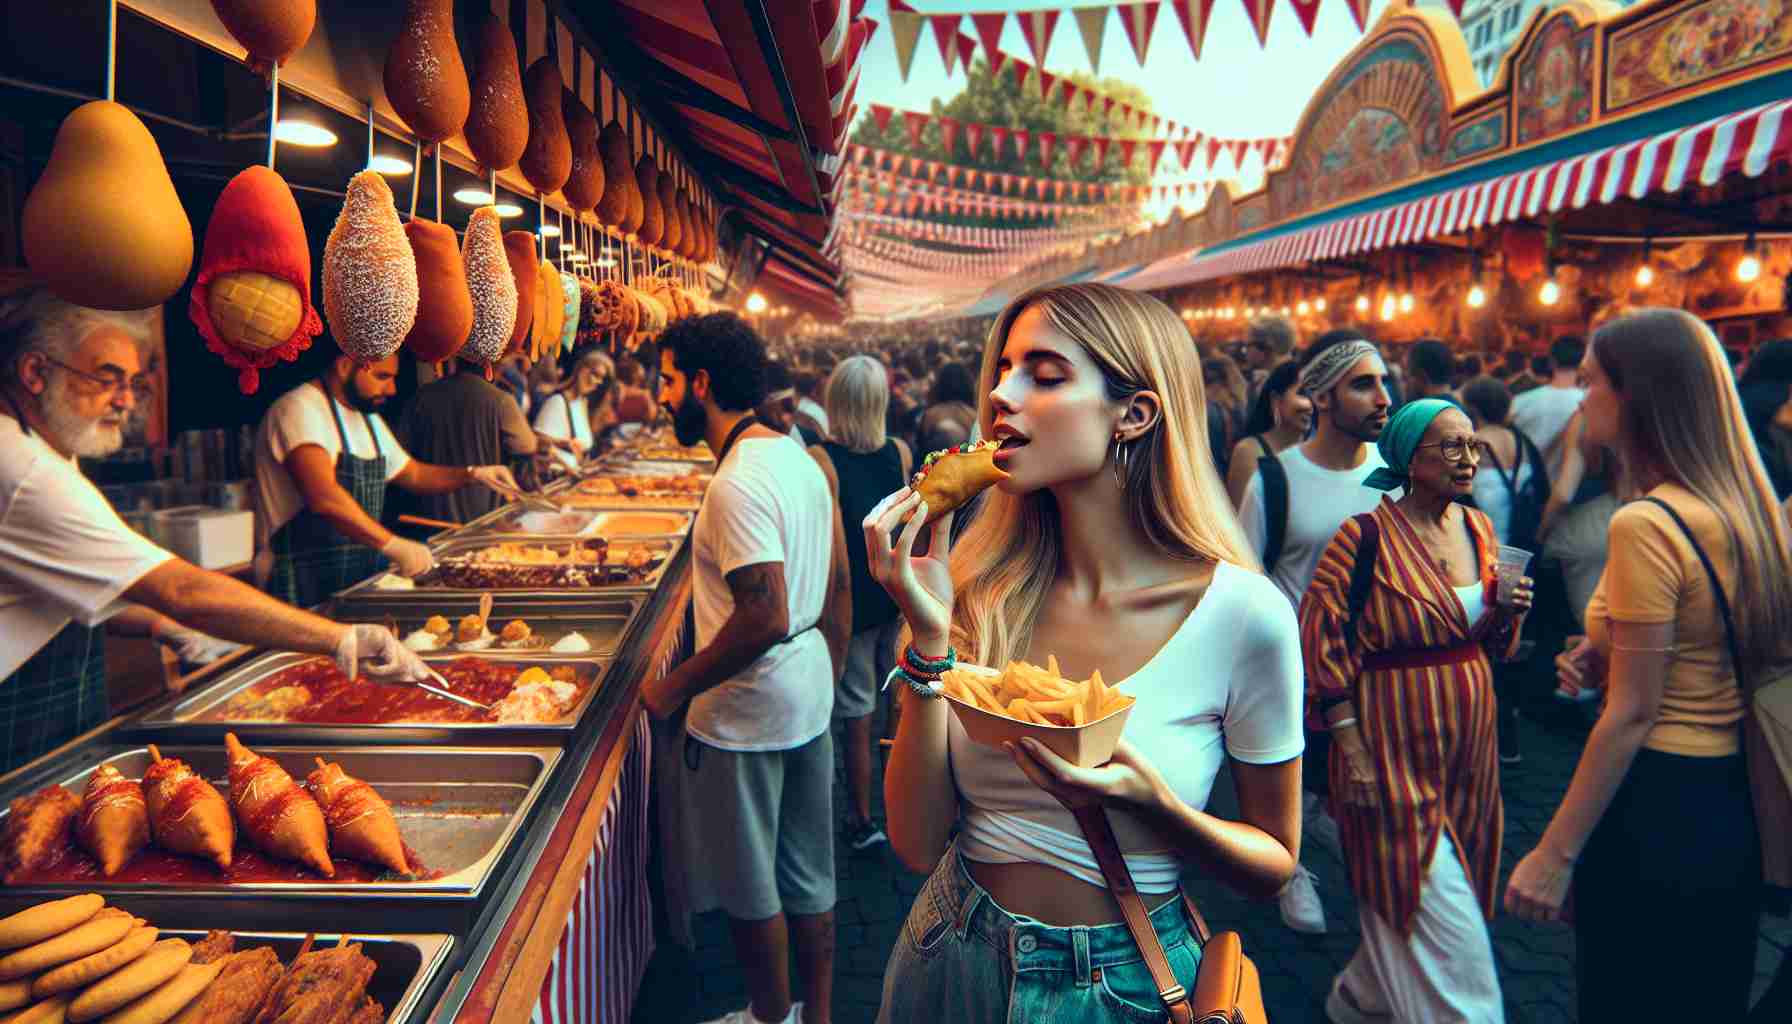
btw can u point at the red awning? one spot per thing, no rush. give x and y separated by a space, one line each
1749 141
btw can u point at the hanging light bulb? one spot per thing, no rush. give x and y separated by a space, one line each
396 166
1303 308
756 303
1286 311
1362 303
1387 307
1477 297
1748 268
1645 274
1406 302
509 210
1550 293
1319 304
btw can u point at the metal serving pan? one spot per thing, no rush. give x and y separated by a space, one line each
405 966
602 619
458 808
589 518
560 597
185 720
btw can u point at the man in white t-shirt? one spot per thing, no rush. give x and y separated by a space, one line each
323 458
1320 485
1541 414
69 565
773 607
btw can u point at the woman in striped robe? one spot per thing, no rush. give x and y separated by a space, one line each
1407 692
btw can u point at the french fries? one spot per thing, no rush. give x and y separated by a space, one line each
1036 696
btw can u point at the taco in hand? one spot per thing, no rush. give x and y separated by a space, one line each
949 478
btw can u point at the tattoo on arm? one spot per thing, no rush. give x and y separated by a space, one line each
759 595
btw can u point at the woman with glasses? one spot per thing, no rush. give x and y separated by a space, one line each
1399 656
573 413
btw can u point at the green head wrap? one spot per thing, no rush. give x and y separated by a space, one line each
1405 429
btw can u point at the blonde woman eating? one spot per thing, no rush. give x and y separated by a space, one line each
1112 546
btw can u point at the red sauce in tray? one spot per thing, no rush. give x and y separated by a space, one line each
337 700
153 865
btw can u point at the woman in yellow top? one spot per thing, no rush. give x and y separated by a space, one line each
1656 837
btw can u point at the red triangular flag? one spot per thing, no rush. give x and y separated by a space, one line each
1127 148
945 33
1060 190
1306 11
967 48
1264 148
1107 107
1101 150
915 122
1089 100
1046 141
1213 152
1194 17
998 140
1260 10
1239 148
1157 126
1047 83
1156 151
1359 10
1021 138
1037 27
973 137
1138 20
989 30
1038 190
881 114
948 134
1074 147
1021 68
1185 151
933 169
1007 179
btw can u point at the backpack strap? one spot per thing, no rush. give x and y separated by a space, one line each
1717 590
1362 575
1275 508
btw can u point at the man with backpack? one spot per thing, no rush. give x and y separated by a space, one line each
1293 507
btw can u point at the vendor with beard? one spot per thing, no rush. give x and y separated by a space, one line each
68 564
323 458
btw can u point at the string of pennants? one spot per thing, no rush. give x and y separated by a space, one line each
910 197
1274 152
959 234
1044 144
913 261
1138 18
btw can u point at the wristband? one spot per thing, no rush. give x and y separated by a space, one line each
929 666
1342 723
923 689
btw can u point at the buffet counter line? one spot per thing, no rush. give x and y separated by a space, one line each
570 937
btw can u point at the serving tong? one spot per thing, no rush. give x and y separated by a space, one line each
485 610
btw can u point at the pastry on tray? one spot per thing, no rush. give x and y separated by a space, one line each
186 814
278 817
37 827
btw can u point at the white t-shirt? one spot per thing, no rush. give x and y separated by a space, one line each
768 503
1542 413
811 408
1227 682
567 418
64 552
298 418
1319 500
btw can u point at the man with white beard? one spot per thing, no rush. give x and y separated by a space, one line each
69 564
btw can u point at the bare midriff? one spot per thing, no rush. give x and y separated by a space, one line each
1052 897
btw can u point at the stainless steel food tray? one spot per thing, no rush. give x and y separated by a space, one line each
604 619
405 966
179 721
459 808
366 591
582 521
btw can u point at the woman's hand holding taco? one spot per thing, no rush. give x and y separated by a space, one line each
921 587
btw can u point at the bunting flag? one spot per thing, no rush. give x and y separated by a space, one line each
1359 11
1021 138
1185 151
1239 148
1037 27
905 29
945 33
1260 10
1306 11
1127 148
882 114
973 137
1101 151
1138 19
998 139
1074 147
1046 141
989 30
1047 83
967 48
1213 152
915 122
1264 148
1092 22
1155 150
948 135
1107 107
952 172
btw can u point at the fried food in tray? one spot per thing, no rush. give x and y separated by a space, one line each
278 817
326 986
517 565
239 991
331 698
186 813
114 821
360 820
37 826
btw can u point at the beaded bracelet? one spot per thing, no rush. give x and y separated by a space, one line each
920 687
920 663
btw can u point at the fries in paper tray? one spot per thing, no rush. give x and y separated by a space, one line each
1079 721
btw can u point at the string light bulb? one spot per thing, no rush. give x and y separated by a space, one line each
756 303
1406 302
1645 274
1319 304
1387 307
1303 308
1477 297
1550 293
1362 303
1748 268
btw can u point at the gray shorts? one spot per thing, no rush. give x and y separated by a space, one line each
761 825
869 658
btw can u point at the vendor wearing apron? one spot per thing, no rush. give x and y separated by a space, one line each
323 458
69 564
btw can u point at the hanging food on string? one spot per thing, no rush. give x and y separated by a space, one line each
103 227
621 200
426 83
370 274
252 300
271 32
671 230
519 252
550 313
585 182
498 124
547 159
444 307
569 327
491 286
653 219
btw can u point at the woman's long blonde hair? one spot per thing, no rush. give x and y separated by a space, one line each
1008 556
1681 416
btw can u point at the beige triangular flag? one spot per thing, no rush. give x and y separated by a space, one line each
905 29
1092 22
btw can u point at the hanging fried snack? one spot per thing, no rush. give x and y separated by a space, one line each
186 814
370 273
114 822
278 817
360 820
949 478
37 826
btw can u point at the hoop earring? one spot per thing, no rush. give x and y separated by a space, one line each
1122 462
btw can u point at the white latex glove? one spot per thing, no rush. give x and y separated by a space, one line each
376 651
411 558
496 478
194 648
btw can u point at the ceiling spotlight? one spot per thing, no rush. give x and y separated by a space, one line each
1362 303
509 210
756 303
473 197
549 231
1477 297
394 165
1645 275
304 133
1319 304
1748 268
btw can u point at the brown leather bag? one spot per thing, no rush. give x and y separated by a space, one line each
1227 989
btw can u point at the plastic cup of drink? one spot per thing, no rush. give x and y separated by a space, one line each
1508 569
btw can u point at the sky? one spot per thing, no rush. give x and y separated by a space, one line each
1236 89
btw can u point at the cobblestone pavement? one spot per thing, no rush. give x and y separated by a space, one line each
1536 963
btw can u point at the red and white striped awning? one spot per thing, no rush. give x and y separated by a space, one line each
1749 141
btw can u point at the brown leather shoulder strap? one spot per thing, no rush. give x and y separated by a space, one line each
1094 822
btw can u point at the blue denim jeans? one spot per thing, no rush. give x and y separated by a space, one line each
962 959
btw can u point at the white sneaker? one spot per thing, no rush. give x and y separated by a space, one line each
1301 909
744 1015
1341 1008
1321 827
